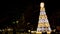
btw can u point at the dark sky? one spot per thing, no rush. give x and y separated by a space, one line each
30 9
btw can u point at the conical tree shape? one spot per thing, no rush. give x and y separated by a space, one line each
43 23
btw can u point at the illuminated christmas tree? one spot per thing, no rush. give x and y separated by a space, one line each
43 23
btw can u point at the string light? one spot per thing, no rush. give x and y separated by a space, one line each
43 23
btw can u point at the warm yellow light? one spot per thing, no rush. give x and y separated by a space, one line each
48 32
43 23
33 31
42 4
43 16
38 32
47 24
29 30
40 24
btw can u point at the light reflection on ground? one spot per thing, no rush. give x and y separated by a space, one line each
25 33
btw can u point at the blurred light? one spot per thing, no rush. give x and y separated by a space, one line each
29 30
17 22
13 22
38 32
28 23
42 4
54 30
33 31
48 32
9 29
0 30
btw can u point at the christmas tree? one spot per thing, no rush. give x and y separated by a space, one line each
43 23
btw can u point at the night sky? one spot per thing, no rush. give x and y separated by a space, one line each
30 9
